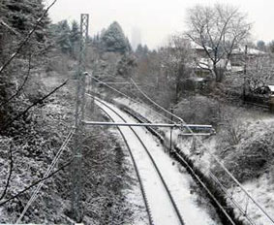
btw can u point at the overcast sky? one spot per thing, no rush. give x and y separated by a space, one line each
157 19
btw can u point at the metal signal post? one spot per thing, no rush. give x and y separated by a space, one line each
76 208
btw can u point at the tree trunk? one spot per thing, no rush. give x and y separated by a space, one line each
219 74
178 88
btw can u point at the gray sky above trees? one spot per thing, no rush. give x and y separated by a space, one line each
157 19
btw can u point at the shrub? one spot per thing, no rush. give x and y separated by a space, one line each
198 109
253 155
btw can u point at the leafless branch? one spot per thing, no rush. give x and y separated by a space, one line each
201 63
36 183
218 29
27 38
10 28
39 101
22 86
10 173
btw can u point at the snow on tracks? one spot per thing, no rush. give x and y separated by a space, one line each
161 205
179 184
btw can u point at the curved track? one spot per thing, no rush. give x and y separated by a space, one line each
159 201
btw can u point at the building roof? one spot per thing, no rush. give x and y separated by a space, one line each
271 87
250 51
196 46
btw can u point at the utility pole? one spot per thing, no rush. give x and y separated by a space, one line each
92 85
245 65
76 207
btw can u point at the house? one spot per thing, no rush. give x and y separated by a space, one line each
267 90
239 56
234 64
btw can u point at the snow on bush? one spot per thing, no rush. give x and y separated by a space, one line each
198 109
244 143
253 154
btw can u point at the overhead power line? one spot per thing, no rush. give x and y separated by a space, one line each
156 104
129 98
49 170
211 154
200 142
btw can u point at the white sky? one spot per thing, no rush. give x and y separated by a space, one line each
157 19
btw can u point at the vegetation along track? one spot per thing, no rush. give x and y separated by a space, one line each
159 201
218 200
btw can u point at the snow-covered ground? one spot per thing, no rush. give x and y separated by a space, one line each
261 189
194 209
142 109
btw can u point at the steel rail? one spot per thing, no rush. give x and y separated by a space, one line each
137 172
153 162
234 179
206 148
206 189
198 179
230 197
128 97
156 104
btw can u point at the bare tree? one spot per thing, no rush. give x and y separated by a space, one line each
175 61
219 30
260 72
163 73
271 46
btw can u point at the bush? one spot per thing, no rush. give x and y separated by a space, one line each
253 155
198 109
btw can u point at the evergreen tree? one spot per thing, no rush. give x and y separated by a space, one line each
139 50
261 45
146 50
22 15
126 65
74 38
271 46
63 33
142 51
17 19
114 39
129 45
75 32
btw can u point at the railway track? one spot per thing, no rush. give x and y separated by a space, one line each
226 211
159 201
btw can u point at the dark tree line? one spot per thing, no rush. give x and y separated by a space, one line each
112 39
67 37
19 17
17 20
